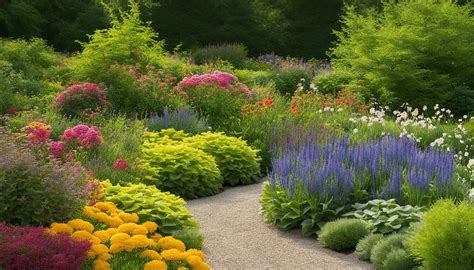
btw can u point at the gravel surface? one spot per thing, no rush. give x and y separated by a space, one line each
237 238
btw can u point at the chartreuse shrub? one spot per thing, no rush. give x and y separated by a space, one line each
35 190
381 52
365 245
181 169
445 238
122 240
343 234
391 252
151 204
386 216
238 162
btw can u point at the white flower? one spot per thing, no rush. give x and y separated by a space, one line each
339 110
356 130
443 109
464 116
372 111
466 154
415 112
470 164
448 111
383 134
471 193
436 106
425 108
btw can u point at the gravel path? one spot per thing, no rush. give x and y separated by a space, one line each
237 238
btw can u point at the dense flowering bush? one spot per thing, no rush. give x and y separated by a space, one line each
115 234
56 148
35 190
82 98
87 136
33 248
37 132
225 80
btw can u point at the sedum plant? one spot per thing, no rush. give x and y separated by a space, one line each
386 216
343 234
151 204
180 169
238 162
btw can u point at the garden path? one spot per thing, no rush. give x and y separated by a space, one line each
237 238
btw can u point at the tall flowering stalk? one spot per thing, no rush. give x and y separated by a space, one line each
342 171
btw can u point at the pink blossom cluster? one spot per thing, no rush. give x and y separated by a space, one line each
120 164
90 93
57 148
87 136
33 248
222 79
37 132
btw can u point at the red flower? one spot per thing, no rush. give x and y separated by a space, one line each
11 109
268 101
260 103
121 165
363 107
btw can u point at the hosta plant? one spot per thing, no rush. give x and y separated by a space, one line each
151 204
386 216
180 169
238 162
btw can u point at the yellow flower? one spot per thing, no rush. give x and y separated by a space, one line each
106 207
101 265
114 222
202 266
169 242
141 241
182 268
104 257
104 236
60 228
112 231
194 260
155 265
150 226
80 224
102 217
196 252
116 248
156 237
84 235
90 211
119 238
173 255
99 249
129 245
152 254
140 230
126 217
127 227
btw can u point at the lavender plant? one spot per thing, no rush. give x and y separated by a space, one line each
180 119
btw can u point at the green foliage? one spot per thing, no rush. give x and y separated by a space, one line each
181 169
238 163
330 82
299 210
382 53
34 59
386 216
221 107
35 190
190 236
251 77
166 209
343 234
365 246
287 80
122 139
183 118
398 259
445 239
235 54
384 247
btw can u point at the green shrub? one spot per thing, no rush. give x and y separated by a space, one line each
167 210
382 52
251 77
382 249
386 216
365 246
236 54
445 238
330 82
35 190
398 259
181 169
238 163
287 80
34 58
191 237
343 234
182 118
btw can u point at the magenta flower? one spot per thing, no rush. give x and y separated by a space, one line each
87 136
57 148
222 79
120 164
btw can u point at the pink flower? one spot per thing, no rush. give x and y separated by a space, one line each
87 136
57 148
11 109
37 132
120 164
